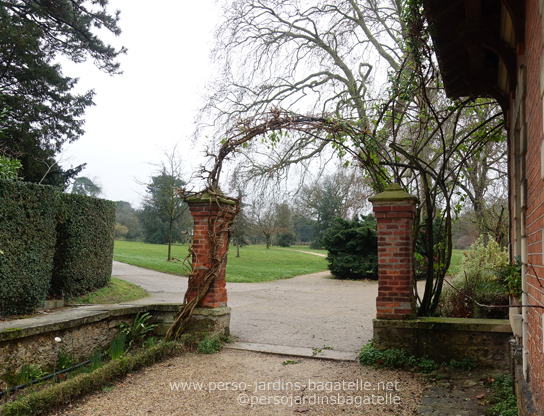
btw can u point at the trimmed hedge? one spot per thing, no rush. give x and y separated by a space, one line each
27 244
43 401
51 243
84 250
353 248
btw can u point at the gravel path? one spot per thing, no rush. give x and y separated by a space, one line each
304 311
267 379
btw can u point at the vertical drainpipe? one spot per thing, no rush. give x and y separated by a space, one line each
524 301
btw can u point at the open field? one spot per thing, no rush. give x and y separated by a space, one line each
255 264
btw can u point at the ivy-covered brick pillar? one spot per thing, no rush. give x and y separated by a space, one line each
395 211
210 244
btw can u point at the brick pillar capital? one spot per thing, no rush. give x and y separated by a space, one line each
393 195
205 198
395 212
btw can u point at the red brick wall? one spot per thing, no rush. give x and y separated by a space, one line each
535 207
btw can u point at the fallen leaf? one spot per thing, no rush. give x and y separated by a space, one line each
480 396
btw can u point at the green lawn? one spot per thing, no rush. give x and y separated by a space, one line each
456 259
117 291
255 264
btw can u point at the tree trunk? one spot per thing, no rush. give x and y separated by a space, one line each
170 240
237 247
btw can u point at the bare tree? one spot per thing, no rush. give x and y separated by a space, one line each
322 59
267 220
296 54
161 202
341 194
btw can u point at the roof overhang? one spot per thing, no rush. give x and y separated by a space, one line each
476 43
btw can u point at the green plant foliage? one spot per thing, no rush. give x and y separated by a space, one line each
9 168
394 358
423 364
85 186
483 260
45 110
353 248
136 332
117 346
163 211
149 342
503 397
511 275
421 250
482 278
466 364
369 355
27 244
127 217
29 373
210 345
285 239
95 360
84 251
66 360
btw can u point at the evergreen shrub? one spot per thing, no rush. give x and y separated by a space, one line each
353 248
27 244
84 250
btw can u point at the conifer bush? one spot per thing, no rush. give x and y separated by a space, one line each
353 248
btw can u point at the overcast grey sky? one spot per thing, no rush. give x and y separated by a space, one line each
152 106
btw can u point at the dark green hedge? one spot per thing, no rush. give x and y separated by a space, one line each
353 248
84 250
51 243
27 244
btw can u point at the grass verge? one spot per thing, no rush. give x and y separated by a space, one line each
117 291
255 264
60 394
456 259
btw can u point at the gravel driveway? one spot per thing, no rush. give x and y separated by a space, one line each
261 379
306 311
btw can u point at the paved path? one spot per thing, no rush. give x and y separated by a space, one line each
308 311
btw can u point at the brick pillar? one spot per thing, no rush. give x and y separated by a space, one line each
395 211
204 209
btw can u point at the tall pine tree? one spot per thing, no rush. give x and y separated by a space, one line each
43 112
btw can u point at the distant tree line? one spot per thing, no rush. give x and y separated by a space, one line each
163 217
302 220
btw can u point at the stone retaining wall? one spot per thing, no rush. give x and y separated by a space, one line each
486 341
81 330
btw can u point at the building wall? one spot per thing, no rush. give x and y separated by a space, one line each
534 188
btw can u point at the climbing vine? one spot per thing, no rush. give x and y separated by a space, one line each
219 223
